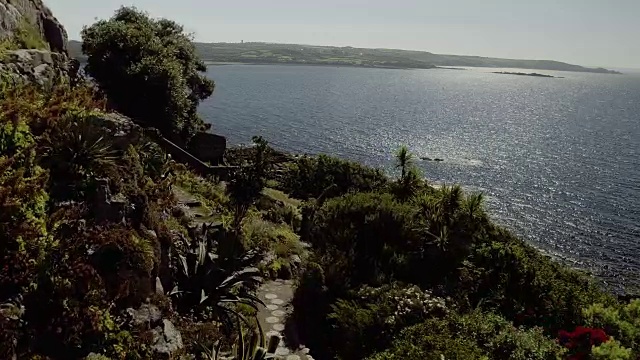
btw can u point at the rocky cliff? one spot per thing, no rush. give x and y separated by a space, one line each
17 13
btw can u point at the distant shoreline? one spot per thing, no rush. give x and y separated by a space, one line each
221 63
297 54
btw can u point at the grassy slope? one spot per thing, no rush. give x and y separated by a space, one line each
263 53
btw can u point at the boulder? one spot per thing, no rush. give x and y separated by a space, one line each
16 13
146 314
167 340
124 131
38 66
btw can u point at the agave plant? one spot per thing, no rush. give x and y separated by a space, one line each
210 278
76 152
250 347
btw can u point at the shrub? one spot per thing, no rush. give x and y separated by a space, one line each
210 190
620 321
611 350
266 236
363 238
41 108
285 214
215 274
76 153
505 275
276 240
308 177
472 336
139 61
25 36
248 181
375 316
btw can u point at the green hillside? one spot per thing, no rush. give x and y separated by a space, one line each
264 53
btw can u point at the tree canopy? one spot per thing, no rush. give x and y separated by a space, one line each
149 70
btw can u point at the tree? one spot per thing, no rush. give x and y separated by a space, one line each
149 70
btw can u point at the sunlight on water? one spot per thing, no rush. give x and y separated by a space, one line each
559 159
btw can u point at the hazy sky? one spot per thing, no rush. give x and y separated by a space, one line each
585 32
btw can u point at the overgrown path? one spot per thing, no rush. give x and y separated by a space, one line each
276 294
277 297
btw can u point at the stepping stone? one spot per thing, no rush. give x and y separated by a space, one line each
272 320
271 296
272 307
278 313
278 327
277 301
274 333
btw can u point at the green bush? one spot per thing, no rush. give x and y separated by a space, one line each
611 350
25 36
308 177
620 321
427 341
373 317
28 36
505 275
139 61
285 214
76 153
363 237
472 336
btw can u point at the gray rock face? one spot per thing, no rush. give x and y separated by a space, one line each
146 314
166 339
39 66
14 13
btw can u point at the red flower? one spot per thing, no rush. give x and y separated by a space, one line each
580 341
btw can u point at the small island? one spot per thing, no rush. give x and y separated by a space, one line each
527 74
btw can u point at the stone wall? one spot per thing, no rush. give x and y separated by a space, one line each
13 13
208 147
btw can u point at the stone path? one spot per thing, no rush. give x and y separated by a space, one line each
277 296
193 207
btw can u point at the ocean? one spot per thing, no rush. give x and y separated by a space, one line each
557 158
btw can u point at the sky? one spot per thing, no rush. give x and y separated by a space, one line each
584 32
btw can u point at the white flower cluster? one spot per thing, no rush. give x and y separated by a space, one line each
406 301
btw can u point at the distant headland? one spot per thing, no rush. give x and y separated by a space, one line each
527 74
268 53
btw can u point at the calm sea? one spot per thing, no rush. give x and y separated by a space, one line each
559 159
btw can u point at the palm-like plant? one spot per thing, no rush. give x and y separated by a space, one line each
76 152
213 274
404 160
410 177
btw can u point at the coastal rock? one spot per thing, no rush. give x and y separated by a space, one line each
38 66
166 340
145 315
14 14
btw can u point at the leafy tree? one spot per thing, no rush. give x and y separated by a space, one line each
149 69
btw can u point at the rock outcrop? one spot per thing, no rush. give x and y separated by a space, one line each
38 66
15 13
